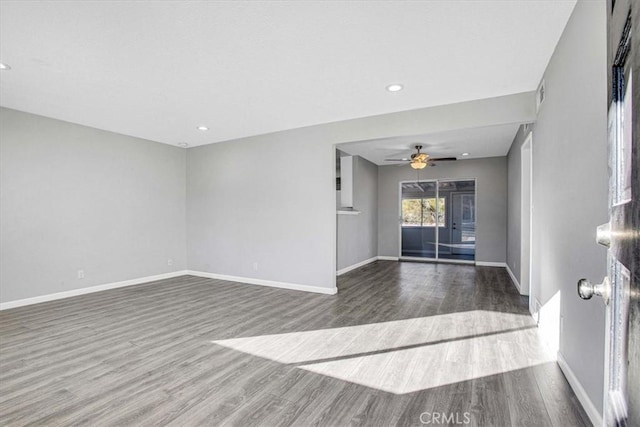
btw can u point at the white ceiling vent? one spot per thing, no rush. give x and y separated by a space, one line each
540 95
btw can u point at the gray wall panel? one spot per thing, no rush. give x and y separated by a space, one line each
570 191
358 234
77 198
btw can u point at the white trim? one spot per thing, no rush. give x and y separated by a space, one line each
513 279
357 265
261 282
526 211
343 212
436 261
331 208
534 309
454 261
491 264
387 258
581 394
92 289
417 258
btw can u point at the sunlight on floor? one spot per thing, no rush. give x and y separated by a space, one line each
550 323
404 356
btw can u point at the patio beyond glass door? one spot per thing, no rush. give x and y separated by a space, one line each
438 220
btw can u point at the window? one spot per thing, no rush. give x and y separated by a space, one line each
422 212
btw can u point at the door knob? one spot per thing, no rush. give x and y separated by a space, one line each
586 289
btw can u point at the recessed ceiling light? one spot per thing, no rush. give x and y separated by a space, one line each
203 128
4 66
465 154
183 144
395 87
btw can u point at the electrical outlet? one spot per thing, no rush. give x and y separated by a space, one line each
80 274
169 261
255 266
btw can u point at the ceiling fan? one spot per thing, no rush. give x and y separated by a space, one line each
420 160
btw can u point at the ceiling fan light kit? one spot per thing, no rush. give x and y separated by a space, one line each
418 164
420 160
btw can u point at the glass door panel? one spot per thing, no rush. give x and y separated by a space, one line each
457 238
421 211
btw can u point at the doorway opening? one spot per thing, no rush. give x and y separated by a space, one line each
438 220
526 192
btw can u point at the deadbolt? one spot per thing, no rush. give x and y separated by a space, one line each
603 234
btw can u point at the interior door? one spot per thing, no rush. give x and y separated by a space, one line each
621 288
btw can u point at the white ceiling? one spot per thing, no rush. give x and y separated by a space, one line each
158 69
487 141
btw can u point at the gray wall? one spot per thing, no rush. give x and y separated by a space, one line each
491 208
268 200
570 190
292 237
358 234
75 197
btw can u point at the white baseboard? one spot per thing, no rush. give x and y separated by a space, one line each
581 394
534 309
92 289
140 280
513 279
490 264
454 261
270 283
479 263
354 266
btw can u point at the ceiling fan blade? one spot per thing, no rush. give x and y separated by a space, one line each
444 159
397 160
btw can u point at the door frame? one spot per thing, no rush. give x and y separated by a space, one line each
526 205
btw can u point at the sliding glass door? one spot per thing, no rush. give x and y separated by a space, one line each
438 219
420 212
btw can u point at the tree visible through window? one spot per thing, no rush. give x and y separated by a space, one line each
422 212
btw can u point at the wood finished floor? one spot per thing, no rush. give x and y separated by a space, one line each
399 340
